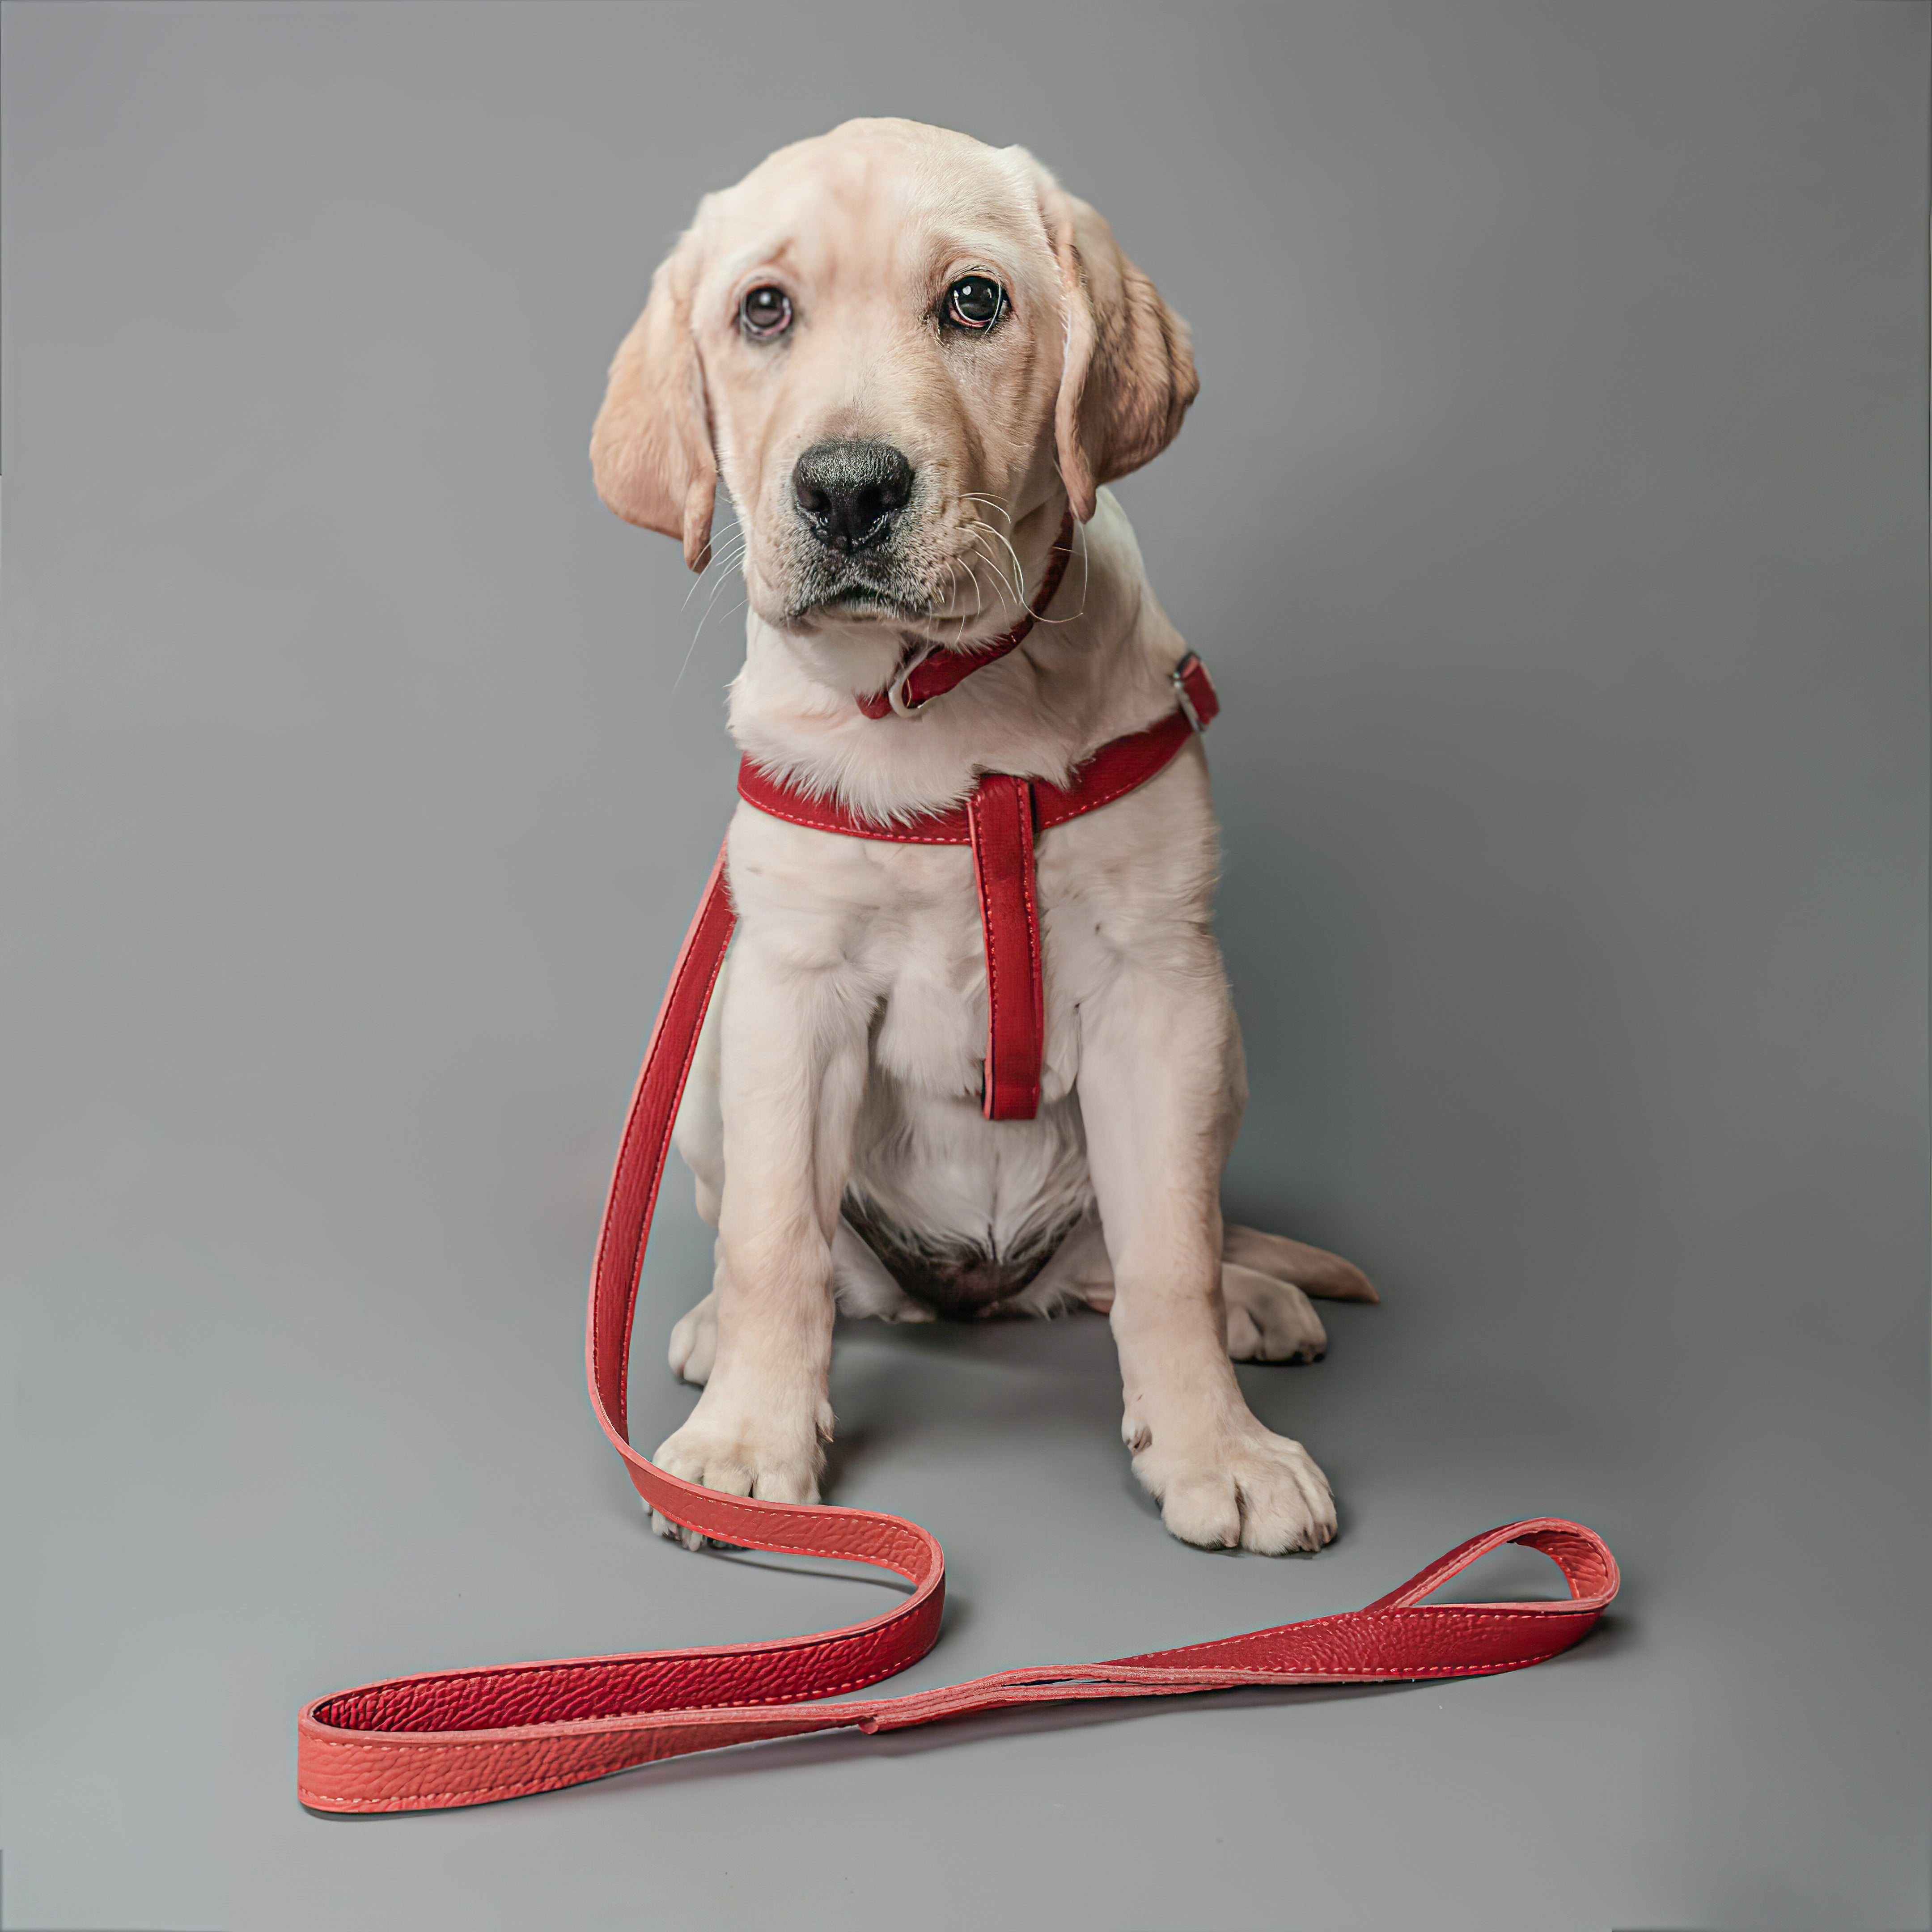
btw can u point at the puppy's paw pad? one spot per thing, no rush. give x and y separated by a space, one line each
1270 1320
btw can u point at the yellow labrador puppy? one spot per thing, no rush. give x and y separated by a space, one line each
906 355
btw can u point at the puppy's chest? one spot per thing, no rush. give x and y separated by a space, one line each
925 955
900 925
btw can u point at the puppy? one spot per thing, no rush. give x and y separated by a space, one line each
908 356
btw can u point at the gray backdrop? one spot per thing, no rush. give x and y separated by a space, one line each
1554 517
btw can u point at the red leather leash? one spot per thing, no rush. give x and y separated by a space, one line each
471 1737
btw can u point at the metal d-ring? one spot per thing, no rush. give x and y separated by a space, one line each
895 691
1177 677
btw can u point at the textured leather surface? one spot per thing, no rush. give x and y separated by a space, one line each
471 1737
999 814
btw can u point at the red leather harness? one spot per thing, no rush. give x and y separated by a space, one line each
470 1737
1000 821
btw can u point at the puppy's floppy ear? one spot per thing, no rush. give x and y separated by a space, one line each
650 450
1128 375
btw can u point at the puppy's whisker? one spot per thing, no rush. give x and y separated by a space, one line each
724 577
1005 593
1079 539
960 618
952 593
1019 596
725 563
941 594
980 531
965 621
728 565
993 503
1072 616
733 533
1019 574
1013 584
1012 596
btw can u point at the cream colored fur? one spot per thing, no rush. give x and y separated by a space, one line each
842 1060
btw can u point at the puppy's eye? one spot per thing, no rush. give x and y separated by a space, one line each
975 302
765 311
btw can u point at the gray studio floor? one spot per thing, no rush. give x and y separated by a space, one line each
1554 518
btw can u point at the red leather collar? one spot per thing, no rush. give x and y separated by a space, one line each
934 675
1118 767
1000 819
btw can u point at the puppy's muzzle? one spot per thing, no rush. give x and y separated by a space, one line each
850 493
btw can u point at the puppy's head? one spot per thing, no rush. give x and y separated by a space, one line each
894 344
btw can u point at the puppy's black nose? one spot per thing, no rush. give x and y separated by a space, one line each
849 491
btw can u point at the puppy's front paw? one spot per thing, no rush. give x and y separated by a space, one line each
730 1452
1241 1486
1268 1320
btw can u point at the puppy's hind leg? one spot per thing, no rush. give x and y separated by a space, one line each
1269 1316
864 1285
1270 1320
1077 1272
859 1281
1314 1271
1266 1280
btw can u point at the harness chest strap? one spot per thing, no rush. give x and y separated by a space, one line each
1000 821
470 1737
